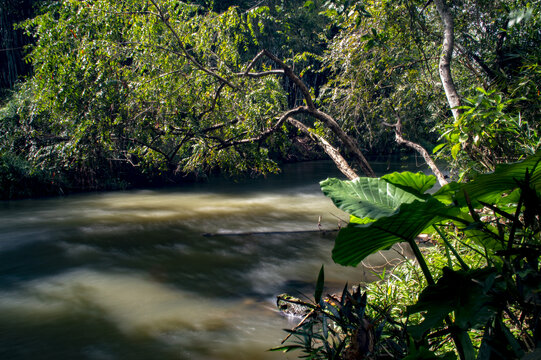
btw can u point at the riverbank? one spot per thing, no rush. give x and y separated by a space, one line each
18 180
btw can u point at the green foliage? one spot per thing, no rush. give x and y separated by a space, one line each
19 180
158 88
114 83
471 298
500 111
337 327
381 63
492 130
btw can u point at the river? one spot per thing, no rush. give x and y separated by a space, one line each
135 274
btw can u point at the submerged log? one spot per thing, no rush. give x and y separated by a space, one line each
247 233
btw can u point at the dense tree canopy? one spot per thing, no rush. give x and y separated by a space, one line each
148 87
385 65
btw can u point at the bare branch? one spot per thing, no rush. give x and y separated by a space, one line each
151 147
219 126
262 73
426 5
290 74
421 150
254 60
345 139
266 133
311 109
470 55
214 101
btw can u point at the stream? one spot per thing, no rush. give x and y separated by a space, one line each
190 272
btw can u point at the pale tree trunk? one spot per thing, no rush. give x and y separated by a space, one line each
328 120
330 150
446 56
448 84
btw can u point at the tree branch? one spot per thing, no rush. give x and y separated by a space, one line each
468 54
266 133
261 74
290 74
165 20
421 150
311 109
331 151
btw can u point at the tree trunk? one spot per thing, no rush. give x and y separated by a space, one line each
346 140
328 120
446 56
448 84
330 150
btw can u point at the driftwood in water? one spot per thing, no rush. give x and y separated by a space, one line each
248 233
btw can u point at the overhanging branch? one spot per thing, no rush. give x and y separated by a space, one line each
421 150
330 150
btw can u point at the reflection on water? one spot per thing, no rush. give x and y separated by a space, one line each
130 275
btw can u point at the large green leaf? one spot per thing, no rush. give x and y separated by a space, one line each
366 197
490 187
417 184
400 215
357 241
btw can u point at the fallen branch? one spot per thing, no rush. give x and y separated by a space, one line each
248 233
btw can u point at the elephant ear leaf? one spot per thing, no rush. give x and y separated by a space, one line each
415 183
489 188
357 241
366 197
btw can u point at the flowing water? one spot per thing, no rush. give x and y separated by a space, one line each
164 274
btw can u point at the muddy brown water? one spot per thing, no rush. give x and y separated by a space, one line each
132 275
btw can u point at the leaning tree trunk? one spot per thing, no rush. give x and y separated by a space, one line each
328 120
417 147
330 150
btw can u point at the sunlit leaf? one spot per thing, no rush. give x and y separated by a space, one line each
438 147
490 188
366 197
356 242
416 184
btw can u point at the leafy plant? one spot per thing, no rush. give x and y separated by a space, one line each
492 129
337 326
491 297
